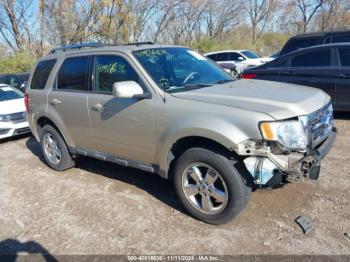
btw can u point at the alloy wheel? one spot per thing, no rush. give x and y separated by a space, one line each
52 149
204 188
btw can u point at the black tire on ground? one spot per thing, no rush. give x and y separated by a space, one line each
66 160
236 177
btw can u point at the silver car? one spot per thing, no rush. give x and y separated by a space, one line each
171 111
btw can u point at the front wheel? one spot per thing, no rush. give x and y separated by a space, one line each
210 186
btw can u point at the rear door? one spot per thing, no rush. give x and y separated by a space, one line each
313 68
67 102
342 100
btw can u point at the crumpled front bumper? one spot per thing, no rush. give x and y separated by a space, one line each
309 165
268 169
320 152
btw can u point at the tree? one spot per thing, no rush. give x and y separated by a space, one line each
71 21
308 9
259 12
168 11
142 13
222 16
15 27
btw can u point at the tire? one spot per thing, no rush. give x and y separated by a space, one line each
65 160
237 188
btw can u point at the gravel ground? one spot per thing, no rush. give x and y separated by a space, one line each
102 208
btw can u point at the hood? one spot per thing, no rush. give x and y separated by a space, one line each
279 100
12 106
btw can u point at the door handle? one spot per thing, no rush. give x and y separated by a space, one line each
55 101
98 107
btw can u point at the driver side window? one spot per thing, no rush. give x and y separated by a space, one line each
110 69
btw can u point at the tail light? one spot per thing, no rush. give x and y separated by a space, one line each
248 76
26 102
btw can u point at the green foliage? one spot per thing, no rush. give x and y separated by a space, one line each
271 42
18 63
266 45
206 45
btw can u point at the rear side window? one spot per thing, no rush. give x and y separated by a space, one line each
344 55
221 57
111 69
73 74
301 43
318 58
41 74
341 39
212 57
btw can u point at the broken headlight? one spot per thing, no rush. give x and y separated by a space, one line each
289 133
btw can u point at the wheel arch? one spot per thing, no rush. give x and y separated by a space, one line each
44 120
183 143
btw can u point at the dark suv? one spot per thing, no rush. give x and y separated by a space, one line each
312 39
18 81
326 67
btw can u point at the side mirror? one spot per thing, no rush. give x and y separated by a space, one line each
241 58
128 89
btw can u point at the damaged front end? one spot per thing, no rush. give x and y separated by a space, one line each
281 157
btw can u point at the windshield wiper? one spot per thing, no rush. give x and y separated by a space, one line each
196 85
188 86
223 81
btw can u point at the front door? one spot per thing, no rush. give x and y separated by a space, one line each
123 127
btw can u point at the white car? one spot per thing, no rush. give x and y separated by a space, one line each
13 115
241 58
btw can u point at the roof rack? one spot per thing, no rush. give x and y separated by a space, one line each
90 45
76 46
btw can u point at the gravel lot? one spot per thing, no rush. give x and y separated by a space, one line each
102 208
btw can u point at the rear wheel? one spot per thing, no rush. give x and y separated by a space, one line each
54 149
210 186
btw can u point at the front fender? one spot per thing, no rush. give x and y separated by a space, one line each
219 130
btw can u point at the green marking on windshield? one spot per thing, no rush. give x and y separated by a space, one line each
152 52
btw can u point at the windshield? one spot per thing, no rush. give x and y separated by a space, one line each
250 54
180 69
8 93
